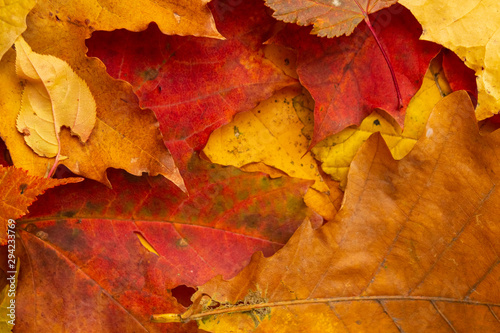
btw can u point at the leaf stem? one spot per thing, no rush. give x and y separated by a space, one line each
182 318
386 57
56 161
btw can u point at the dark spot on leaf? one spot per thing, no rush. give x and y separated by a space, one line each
358 322
376 122
159 89
23 187
57 18
150 74
287 62
26 131
69 213
183 295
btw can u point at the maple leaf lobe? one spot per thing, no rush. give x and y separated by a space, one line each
331 18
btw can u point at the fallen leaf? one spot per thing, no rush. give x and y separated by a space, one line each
91 235
18 191
331 18
472 31
348 76
272 134
193 85
53 96
113 143
337 151
13 21
459 75
414 247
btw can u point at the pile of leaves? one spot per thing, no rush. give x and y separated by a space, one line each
251 165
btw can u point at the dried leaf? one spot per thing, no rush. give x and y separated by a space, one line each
331 18
99 265
13 21
194 85
114 143
472 31
53 96
272 134
348 76
18 190
413 249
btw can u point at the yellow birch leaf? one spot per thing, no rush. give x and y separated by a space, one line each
337 151
54 96
13 21
471 29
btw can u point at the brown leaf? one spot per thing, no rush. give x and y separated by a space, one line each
414 248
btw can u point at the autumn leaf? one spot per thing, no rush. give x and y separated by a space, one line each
347 76
402 255
337 151
472 31
459 75
272 134
18 190
114 144
331 18
194 85
53 96
13 21
93 236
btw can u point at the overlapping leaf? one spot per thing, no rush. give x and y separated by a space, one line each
13 21
195 85
348 76
93 236
18 190
337 151
272 133
472 31
331 18
413 249
59 29
53 96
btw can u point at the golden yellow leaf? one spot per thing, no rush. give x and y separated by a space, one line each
272 133
471 29
337 151
13 21
54 96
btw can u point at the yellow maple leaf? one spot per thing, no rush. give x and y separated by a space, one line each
272 133
471 29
